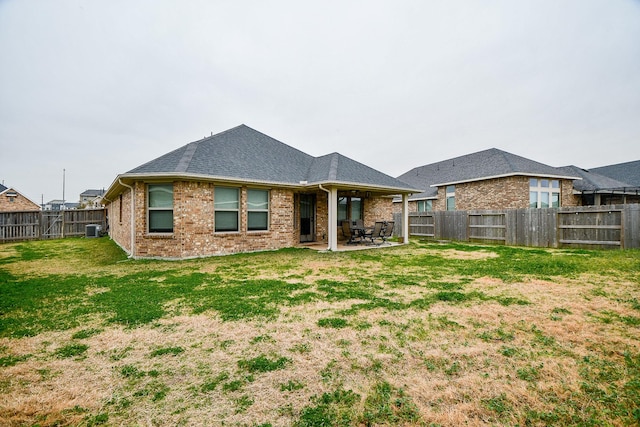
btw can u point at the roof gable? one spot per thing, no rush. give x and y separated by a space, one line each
337 168
12 192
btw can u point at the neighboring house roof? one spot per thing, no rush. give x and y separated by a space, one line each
242 154
92 193
594 182
2 188
487 164
58 202
628 172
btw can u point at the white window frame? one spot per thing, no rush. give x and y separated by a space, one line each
151 209
251 210
450 194
544 188
236 210
424 205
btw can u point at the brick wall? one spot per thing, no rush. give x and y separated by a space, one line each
567 198
499 193
322 216
18 203
378 209
193 222
119 214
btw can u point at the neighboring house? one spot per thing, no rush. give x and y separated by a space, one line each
628 188
91 199
489 179
11 201
597 189
243 191
58 205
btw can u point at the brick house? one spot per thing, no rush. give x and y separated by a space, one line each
611 185
489 179
243 191
12 201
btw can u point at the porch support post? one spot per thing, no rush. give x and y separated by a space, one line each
333 219
405 218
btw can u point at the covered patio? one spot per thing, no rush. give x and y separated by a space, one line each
366 203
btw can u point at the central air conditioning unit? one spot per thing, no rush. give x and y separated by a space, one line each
93 230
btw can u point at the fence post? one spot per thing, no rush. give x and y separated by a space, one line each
510 217
623 215
632 228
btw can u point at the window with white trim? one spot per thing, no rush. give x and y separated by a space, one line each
544 193
451 197
257 210
160 208
349 208
226 205
425 205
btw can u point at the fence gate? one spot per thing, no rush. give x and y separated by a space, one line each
51 224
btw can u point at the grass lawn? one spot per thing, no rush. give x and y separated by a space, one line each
422 334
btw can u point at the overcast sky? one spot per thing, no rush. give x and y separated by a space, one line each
99 87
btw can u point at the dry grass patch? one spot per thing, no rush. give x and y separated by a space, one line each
413 335
457 254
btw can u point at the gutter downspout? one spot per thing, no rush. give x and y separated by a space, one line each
133 222
405 218
332 232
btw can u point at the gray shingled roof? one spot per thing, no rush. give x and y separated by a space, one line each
242 153
337 168
592 181
92 193
485 164
628 172
2 188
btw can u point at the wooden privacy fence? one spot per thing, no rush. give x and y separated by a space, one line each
35 225
580 227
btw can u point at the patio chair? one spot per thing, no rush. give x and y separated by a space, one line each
348 233
372 234
388 231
